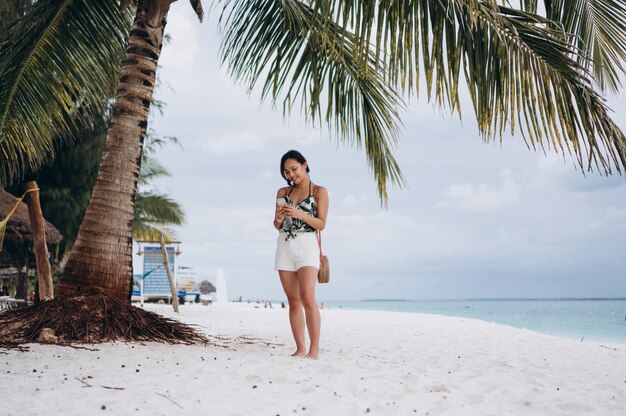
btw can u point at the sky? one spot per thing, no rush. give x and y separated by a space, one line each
476 219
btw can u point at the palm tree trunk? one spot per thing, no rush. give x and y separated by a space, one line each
102 255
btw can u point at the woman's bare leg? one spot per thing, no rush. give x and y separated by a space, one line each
291 287
307 277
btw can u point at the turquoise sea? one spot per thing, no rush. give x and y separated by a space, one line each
596 320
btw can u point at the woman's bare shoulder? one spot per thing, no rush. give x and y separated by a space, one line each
320 190
282 192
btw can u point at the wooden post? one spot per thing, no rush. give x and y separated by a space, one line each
38 232
166 263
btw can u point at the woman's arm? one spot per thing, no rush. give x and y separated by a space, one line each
278 214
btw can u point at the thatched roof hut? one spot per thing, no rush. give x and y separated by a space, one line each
18 228
17 248
206 287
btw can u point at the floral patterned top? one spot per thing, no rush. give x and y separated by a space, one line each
292 226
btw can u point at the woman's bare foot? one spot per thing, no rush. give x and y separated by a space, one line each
313 355
299 353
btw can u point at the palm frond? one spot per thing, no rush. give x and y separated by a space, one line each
304 56
156 214
197 8
153 231
11 10
150 169
520 70
152 142
534 81
598 29
57 64
152 207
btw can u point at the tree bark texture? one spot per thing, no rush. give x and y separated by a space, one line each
102 255
38 232
166 264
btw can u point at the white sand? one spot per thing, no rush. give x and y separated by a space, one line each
380 363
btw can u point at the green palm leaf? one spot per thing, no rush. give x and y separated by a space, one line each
598 29
57 65
308 58
342 61
150 169
532 80
154 214
520 70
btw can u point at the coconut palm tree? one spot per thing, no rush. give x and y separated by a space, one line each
348 63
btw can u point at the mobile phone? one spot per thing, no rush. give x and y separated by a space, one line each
281 201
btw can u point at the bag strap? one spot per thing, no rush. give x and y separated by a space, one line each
319 241
318 233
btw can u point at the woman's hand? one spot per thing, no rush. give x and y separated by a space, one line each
290 211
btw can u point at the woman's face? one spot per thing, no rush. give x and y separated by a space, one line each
295 171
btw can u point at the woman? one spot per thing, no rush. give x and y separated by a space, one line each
301 210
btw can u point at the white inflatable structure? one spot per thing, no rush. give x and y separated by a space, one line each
221 292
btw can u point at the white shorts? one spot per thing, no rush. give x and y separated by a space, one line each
297 252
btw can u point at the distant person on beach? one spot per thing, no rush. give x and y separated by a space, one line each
301 210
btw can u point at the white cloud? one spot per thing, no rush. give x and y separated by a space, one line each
351 200
483 198
515 237
179 52
224 144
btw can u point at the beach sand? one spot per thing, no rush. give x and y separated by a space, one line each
380 363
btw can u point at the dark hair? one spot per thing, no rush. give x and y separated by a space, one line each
297 156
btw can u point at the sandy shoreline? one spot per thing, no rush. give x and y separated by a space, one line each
383 363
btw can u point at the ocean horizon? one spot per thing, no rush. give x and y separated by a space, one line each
584 319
